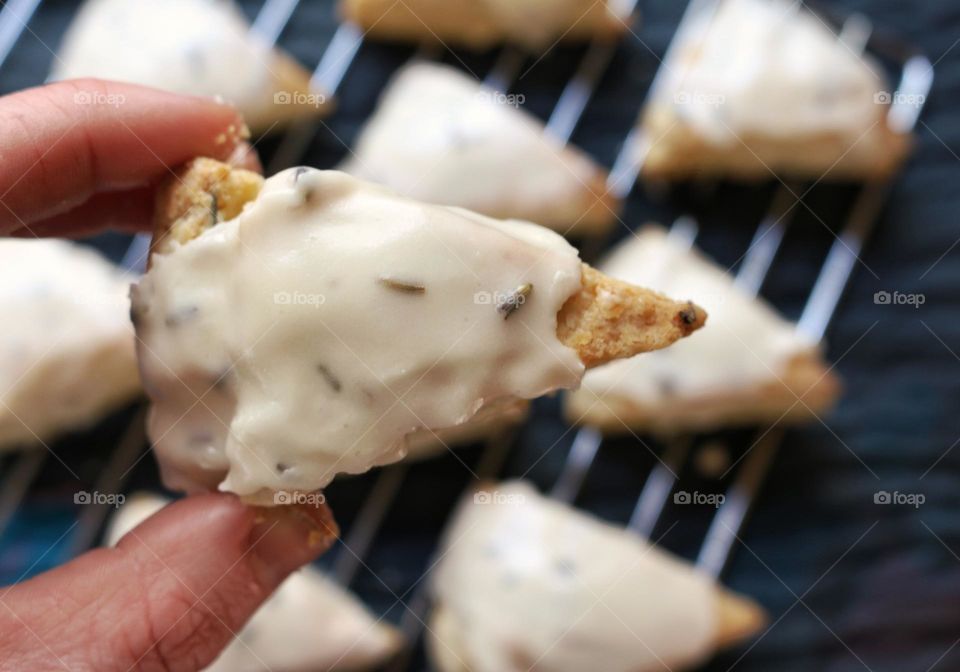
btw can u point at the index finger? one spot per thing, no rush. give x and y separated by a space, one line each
64 142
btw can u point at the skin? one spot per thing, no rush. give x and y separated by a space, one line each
175 590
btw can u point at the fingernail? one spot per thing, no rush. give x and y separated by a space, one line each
284 538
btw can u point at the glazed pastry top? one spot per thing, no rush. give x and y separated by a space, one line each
66 352
768 67
747 342
528 582
441 136
196 47
329 320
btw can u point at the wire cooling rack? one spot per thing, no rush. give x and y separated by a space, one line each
559 457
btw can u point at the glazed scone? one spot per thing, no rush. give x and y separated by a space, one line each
441 136
764 87
480 24
310 622
66 350
328 318
750 367
197 47
524 582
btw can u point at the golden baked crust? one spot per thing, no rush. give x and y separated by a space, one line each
608 319
611 319
804 389
468 23
676 151
737 618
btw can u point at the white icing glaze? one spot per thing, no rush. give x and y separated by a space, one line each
528 583
440 136
66 349
766 67
325 368
310 623
746 343
198 47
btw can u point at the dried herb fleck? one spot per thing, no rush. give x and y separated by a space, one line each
331 379
214 208
510 303
688 315
402 286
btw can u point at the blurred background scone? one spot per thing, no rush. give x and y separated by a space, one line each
440 136
750 367
762 87
524 582
197 47
481 24
66 349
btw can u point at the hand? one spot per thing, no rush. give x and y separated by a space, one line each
76 157
169 597
84 155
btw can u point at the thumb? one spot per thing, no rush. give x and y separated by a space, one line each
170 596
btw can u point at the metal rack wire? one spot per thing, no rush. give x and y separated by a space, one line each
17 472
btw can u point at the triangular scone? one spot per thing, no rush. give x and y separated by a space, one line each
66 350
310 622
321 319
481 24
198 47
763 87
751 366
441 136
524 582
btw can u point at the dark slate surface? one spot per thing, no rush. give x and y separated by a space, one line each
850 584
